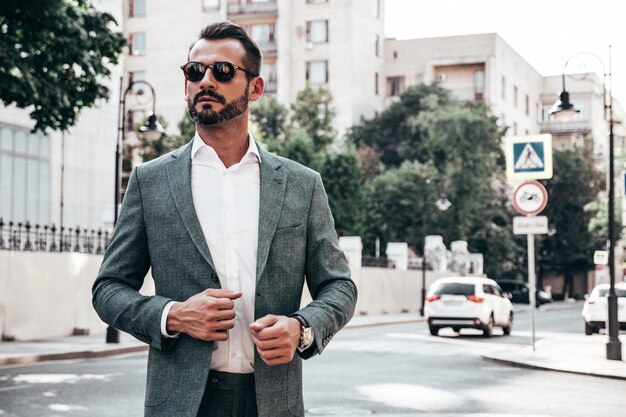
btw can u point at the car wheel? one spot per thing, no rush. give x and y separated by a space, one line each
456 329
434 330
488 328
589 329
509 326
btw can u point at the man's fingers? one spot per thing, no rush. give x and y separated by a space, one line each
222 293
264 322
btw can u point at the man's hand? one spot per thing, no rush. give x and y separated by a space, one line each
276 338
205 316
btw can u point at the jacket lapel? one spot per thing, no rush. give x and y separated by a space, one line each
179 177
273 182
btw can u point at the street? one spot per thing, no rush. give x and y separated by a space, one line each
393 369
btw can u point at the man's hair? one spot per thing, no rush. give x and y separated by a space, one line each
228 30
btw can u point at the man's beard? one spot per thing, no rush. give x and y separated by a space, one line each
207 116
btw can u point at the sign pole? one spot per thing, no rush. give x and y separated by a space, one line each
532 282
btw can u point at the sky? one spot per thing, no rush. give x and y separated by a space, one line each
544 32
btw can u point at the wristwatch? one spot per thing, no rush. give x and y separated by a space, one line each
306 334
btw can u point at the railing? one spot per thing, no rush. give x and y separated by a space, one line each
549 126
246 8
27 238
375 262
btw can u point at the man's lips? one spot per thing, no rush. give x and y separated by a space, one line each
207 98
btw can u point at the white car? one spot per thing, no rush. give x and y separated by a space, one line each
596 307
470 302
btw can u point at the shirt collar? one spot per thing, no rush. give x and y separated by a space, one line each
198 143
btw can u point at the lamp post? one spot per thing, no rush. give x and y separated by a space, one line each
442 204
563 110
152 130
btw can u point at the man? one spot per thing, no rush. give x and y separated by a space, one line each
231 232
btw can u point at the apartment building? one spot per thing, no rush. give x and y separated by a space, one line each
339 43
480 67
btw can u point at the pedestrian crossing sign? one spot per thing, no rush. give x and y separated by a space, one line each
528 157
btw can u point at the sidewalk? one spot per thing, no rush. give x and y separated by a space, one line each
566 353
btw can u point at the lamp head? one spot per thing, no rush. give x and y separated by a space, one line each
152 129
563 111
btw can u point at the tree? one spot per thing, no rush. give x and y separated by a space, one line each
393 133
271 119
54 55
574 185
313 111
342 179
460 144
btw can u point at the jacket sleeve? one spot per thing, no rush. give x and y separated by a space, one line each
327 275
115 292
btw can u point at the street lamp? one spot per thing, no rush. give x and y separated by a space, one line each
442 204
563 110
152 130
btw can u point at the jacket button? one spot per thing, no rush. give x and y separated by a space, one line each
214 277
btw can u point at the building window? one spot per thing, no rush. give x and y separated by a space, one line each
377 45
317 72
395 86
24 176
137 44
479 84
270 76
376 83
262 33
503 86
527 105
515 96
137 8
515 128
210 5
134 77
317 31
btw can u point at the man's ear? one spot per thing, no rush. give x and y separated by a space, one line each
257 86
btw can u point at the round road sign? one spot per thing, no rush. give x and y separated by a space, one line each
530 198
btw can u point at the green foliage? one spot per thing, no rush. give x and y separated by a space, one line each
313 111
572 191
271 120
393 134
54 55
299 147
394 206
149 150
342 179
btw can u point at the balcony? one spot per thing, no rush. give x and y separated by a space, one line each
243 10
577 126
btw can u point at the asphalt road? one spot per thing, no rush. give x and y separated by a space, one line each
397 369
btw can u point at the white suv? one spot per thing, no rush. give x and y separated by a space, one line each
471 302
596 307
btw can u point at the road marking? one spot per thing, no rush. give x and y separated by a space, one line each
15 387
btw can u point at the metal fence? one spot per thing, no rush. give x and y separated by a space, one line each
372 261
28 238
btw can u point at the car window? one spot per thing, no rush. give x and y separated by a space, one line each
497 291
489 289
507 286
620 292
454 288
604 292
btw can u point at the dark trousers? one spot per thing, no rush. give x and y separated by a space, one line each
229 395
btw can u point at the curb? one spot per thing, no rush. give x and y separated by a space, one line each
548 368
80 354
387 323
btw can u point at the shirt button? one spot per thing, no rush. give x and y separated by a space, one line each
214 277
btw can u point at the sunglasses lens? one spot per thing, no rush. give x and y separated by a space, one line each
223 71
194 71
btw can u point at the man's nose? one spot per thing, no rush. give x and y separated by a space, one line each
207 81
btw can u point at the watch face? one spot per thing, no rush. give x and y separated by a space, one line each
307 337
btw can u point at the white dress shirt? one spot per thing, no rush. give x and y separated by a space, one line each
227 205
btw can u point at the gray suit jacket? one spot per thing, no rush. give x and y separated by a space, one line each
158 228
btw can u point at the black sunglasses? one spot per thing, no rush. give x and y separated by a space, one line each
222 71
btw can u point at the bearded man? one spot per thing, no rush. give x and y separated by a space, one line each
231 234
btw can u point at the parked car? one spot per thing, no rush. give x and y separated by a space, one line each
468 302
596 308
520 291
